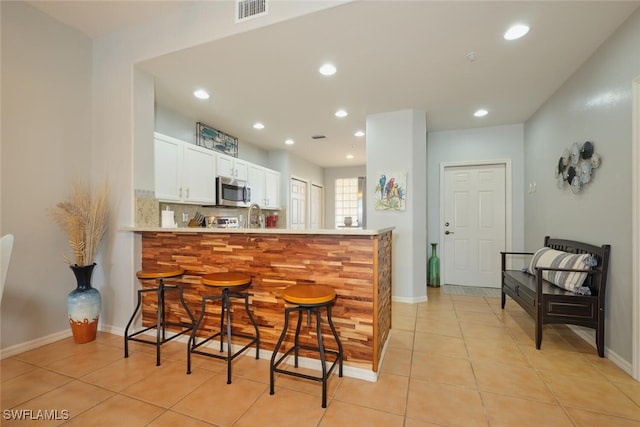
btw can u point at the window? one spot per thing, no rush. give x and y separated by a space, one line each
346 200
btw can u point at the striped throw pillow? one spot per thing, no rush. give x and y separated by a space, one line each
569 280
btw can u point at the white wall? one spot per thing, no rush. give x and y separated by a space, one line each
396 142
46 145
488 143
595 104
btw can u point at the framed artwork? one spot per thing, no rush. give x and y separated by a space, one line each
213 139
391 191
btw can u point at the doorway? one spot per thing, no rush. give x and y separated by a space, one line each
317 207
298 204
476 217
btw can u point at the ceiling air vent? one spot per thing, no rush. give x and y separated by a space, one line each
248 9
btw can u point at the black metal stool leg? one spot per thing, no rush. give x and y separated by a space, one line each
323 364
296 339
126 330
253 322
337 338
192 339
160 320
273 363
185 306
227 302
221 320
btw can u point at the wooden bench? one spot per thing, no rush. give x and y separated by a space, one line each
548 303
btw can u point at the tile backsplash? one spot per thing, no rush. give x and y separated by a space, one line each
148 212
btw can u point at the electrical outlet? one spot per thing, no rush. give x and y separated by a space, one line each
185 217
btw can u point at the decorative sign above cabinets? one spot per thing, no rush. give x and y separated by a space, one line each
213 139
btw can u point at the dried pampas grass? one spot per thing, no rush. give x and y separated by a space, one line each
84 218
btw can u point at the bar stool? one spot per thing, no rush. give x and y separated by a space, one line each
161 322
228 282
309 298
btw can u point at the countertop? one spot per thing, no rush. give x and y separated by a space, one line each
340 232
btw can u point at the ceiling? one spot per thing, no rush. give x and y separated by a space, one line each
390 56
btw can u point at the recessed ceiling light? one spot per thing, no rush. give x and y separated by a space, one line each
341 113
516 31
359 134
327 70
289 142
481 113
349 156
201 94
258 125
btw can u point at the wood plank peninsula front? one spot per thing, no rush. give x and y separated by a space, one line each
356 263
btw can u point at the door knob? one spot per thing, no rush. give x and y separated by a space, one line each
448 232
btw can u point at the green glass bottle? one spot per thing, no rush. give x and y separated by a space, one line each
434 268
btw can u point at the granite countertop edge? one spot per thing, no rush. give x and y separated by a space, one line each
337 232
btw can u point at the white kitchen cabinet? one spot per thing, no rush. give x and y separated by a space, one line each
183 172
232 167
272 189
167 154
265 186
198 175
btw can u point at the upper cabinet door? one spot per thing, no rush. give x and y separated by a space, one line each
272 188
241 170
168 168
198 175
231 167
224 165
183 172
257 184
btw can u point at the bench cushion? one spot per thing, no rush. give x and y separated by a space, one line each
569 280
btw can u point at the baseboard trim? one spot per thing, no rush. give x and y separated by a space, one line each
608 353
409 300
304 362
33 344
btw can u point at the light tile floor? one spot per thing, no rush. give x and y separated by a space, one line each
452 361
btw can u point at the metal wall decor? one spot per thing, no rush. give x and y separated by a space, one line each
576 166
213 139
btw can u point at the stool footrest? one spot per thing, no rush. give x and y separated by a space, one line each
132 337
306 376
161 322
220 356
225 330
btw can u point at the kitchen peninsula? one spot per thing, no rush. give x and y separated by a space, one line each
355 262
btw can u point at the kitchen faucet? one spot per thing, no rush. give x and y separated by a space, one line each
249 222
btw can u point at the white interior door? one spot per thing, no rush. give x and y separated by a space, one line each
317 207
298 203
474 224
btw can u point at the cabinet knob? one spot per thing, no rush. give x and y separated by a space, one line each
448 232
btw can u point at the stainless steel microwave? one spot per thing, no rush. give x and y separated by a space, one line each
232 192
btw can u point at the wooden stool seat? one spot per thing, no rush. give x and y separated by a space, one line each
309 299
159 274
226 279
228 283
309 294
